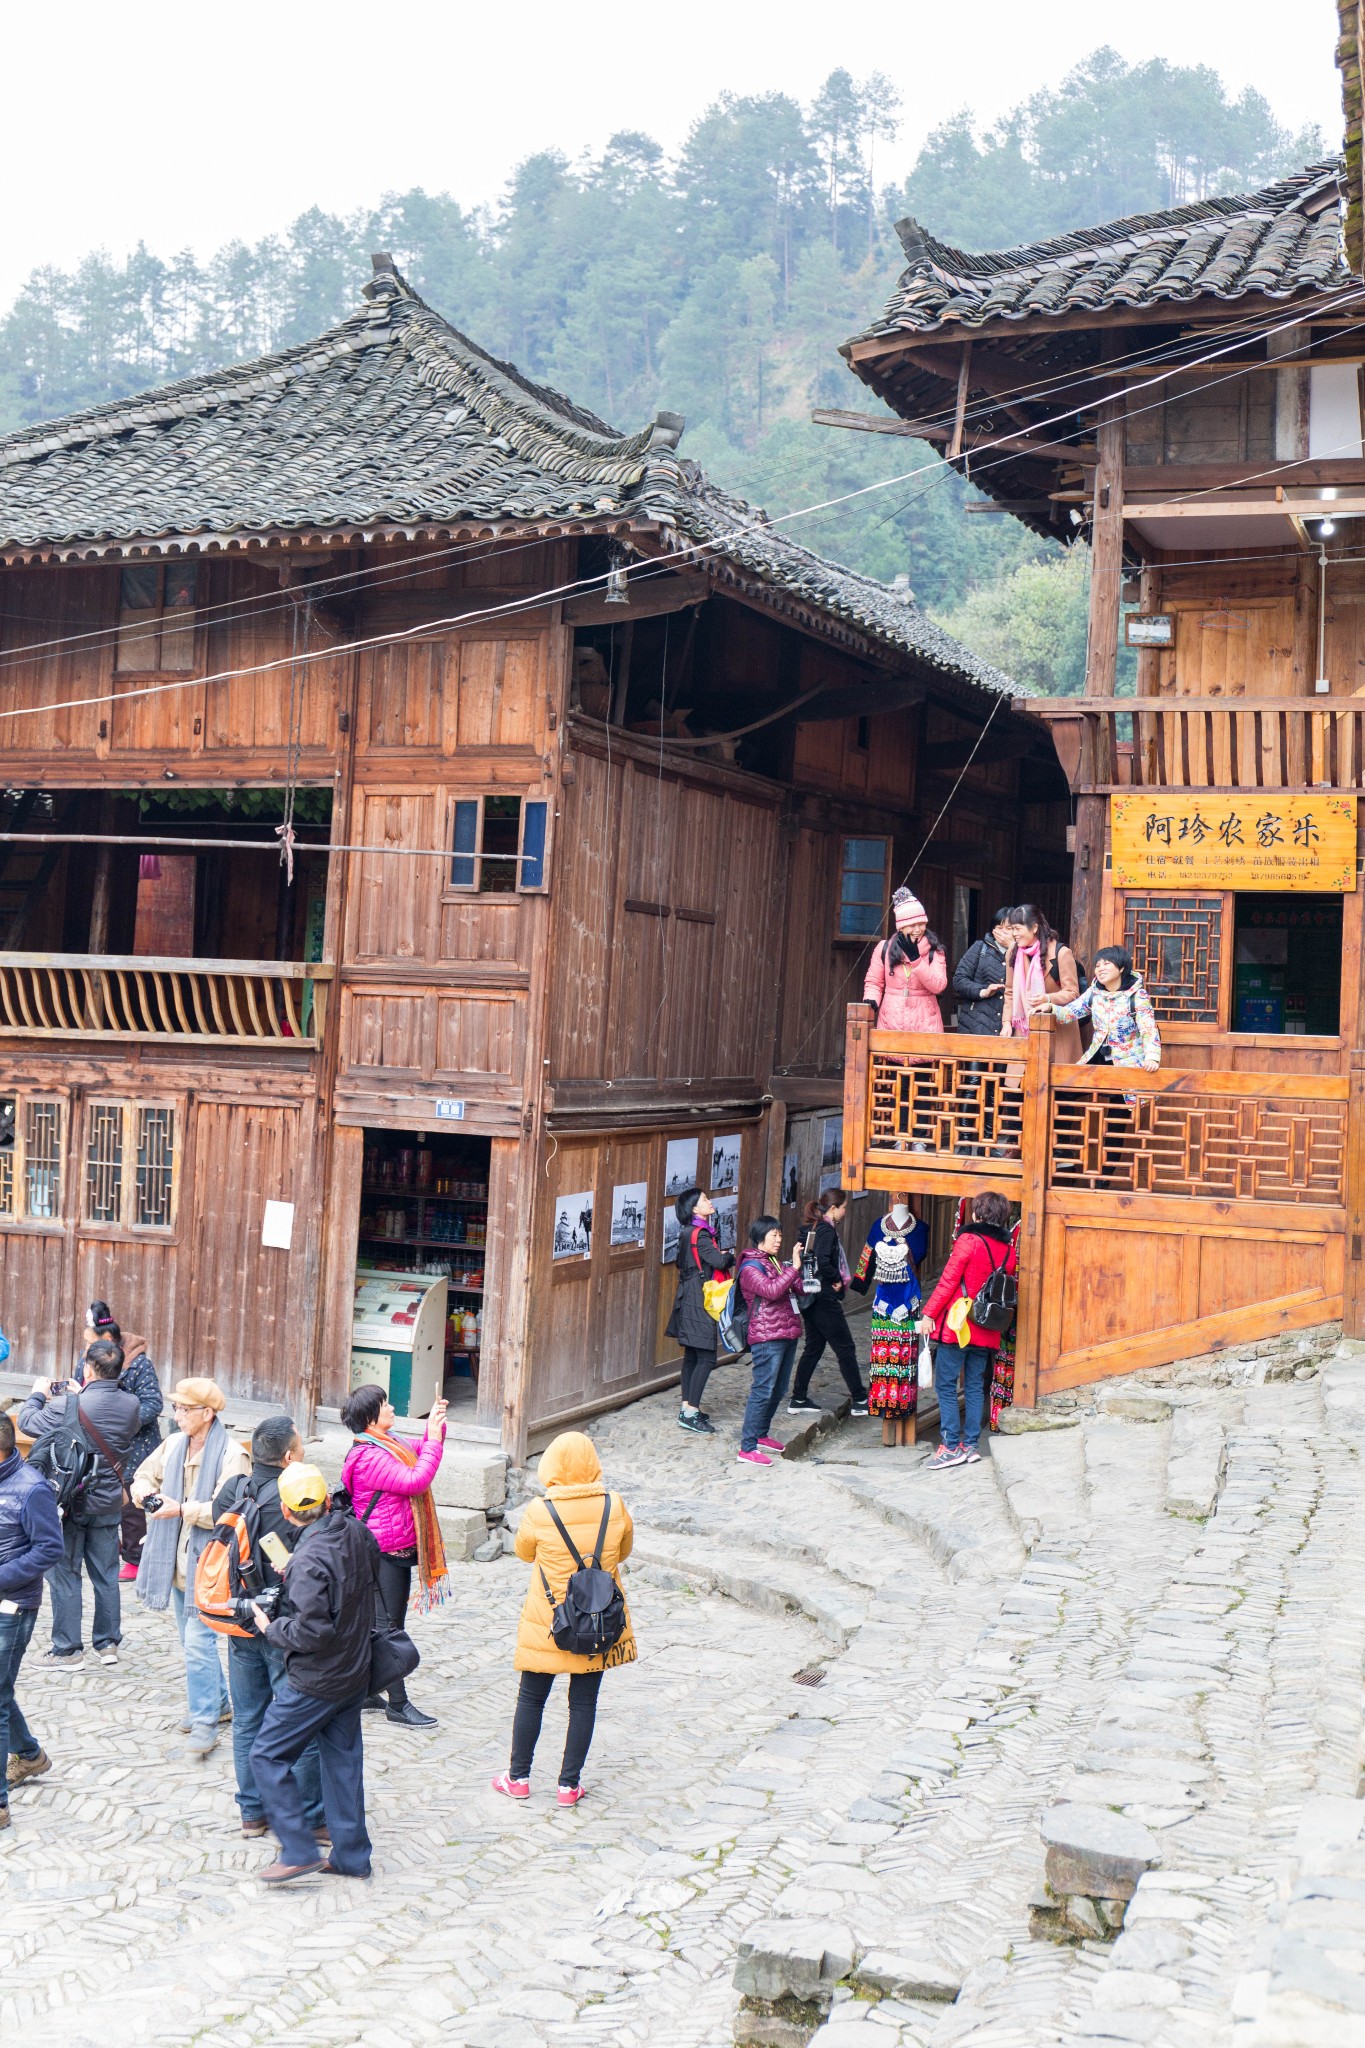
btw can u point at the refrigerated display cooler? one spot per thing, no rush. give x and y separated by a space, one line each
398 1336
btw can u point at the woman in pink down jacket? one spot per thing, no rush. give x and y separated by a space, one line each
389 1481
907 974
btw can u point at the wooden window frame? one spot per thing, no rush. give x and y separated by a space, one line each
131 1109
16 1217
147 617
464 892
847 839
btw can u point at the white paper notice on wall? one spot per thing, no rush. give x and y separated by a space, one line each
277 1227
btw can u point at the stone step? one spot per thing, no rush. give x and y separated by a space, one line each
1042 1482
956 1516
756 1578
1196 1464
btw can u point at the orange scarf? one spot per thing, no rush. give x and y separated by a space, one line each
433 1583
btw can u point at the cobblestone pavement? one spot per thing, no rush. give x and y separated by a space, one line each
972 1645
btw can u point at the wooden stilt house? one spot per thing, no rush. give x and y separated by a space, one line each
1185 390
438 827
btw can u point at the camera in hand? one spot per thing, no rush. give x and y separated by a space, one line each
152 1503
268 1600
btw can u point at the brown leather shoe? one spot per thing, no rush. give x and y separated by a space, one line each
330 1870
21 1768
285 1873
4 1817
253 1828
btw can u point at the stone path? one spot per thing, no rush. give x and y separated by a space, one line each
860 1685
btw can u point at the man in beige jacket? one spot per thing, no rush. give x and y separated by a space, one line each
176 1486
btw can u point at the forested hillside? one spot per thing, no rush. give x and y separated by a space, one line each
717 284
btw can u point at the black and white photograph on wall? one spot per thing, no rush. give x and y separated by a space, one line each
628 1205
725 1164
832 1149
680 1166
726 1225
672 1234
790 1182
573 1226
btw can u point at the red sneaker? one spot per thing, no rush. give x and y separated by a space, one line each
771 1443
569 1795
753 1458
514 1788
127 1571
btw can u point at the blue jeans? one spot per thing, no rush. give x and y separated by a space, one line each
204 1687
975 1364
255 1675
16 1737
772 1369
293 1720
92 1547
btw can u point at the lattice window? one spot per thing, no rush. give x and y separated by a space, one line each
43 1160
130 1165
968 1108
1212 1147
1177 943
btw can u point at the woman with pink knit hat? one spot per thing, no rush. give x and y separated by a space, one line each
908 973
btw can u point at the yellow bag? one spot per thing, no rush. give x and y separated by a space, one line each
715 1294
957 1317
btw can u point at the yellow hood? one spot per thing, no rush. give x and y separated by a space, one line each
571 1460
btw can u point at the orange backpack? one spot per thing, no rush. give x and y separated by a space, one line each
227 1570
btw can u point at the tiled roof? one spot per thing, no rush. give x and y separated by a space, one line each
395 420
1280 241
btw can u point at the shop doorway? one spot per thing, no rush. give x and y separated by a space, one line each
1287 972
420 1264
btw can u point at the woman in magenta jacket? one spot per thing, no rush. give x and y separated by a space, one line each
772 1291
983 1248
389 1481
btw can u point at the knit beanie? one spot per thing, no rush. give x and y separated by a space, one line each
907 907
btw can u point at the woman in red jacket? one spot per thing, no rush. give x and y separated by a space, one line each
983 1248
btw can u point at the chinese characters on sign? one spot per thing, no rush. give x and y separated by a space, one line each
1262 841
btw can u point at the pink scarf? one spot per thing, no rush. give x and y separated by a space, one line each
1027 984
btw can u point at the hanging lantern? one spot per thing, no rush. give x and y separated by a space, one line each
617 591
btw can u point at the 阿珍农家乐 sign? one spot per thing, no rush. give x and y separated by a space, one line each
1161 840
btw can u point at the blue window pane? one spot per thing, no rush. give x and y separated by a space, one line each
863 888
466 845
860 920
865 853
533 845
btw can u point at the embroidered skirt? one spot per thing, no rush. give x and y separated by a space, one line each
892 1387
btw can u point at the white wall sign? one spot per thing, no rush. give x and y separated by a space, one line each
277 1225
447 1108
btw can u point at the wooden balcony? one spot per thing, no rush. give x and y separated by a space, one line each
127 997
1163 1215
1107 743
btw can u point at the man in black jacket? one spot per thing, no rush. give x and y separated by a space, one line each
255 1665
103 1418
979 980
30 1545
324 1633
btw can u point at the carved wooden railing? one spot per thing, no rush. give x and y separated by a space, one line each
1212 1137
1206 743
129 996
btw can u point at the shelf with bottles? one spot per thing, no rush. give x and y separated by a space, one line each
428 1224
472 1195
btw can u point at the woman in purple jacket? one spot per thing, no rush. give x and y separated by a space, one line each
771 1290
389 1481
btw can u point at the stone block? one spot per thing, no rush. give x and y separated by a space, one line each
469 1478
1025 1421
801 1959
1094 1853
1198 1460
905 1976
756 2029
1135 1404
462 1530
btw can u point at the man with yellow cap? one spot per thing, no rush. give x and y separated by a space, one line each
323 1628
176 1486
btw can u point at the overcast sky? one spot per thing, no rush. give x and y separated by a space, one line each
180 127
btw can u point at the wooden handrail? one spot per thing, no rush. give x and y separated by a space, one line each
175 963
1071 707
117 997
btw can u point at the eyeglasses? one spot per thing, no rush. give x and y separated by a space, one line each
189 1408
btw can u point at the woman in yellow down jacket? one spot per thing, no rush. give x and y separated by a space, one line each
571 1474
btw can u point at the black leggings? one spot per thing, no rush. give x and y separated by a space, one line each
535 1690
697 1367
395 1584
826 1323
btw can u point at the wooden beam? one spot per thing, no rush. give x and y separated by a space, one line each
960 409
651 596
929 430
1188 319
1229 476
1106 542
1246 507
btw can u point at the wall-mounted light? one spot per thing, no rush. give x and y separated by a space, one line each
1326 527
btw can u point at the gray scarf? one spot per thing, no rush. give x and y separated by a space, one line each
156 1573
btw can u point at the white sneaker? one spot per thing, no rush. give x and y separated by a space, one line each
63 1660
109 1654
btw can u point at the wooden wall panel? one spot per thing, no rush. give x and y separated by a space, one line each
584 892
37 1314
480 1036
239 1325
482 929
142 1284
78 609
500 694
253 711
394 901
403 692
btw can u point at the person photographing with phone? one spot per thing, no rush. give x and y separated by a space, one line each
389 1482
30 1546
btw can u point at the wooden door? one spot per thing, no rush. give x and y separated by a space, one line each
243 1326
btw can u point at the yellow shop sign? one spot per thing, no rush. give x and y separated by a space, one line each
1160 840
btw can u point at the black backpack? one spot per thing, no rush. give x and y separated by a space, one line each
68 1463
592 1615
996 1300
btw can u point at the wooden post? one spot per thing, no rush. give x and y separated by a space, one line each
857 1070
1106 557
1034 1144
960 411
1087 876
1353 1287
